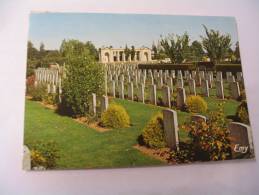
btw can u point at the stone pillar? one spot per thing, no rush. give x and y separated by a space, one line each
181 98
219 89
205 88
118 56
135 57
123 57
104 103
241 140
166 96
192 87
171 128
141 93
234 90
26 164
129 58
153 94
130 91
121 90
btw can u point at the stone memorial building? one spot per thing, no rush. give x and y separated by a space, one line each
110 55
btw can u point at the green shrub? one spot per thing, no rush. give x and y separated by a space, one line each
38 93
153 133
50 99
115 117
44 154
210 139
83 77
242 112
196 104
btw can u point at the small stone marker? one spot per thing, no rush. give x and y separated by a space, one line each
192 87
26 165
198 118
130 91
181 98
153 94
93 106
234 90
240 139
171 128
121 90
219 89
141 93
48 88
219 76
104 103
205 88
169 82
166 96
114 89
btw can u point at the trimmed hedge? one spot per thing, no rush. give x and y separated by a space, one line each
115 117
153 133
196 104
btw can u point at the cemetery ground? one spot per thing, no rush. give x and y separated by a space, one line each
83 147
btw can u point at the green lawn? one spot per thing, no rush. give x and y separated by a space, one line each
82 147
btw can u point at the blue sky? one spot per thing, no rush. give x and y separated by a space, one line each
120 29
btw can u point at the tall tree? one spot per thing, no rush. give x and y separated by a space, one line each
216 44
127 51
176 47
196 51
132 52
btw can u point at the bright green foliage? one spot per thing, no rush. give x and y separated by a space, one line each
44 154
115 117
216 45
197 52
153 133
196 104
176 47
242 112
84 76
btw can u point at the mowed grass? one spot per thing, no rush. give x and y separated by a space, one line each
81 147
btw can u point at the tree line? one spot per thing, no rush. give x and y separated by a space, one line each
179 48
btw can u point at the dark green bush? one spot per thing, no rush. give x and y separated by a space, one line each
153 133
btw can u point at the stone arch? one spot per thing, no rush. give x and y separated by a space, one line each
146 58
106 57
